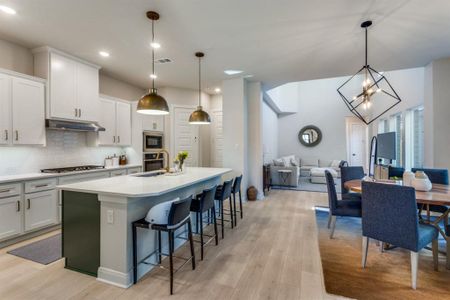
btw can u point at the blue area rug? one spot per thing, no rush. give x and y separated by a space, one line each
44 251
304 184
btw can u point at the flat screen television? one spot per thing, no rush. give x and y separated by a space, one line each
386 145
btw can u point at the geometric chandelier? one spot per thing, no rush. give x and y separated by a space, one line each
368 94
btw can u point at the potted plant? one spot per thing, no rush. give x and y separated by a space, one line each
181 157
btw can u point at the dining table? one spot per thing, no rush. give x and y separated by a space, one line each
438 195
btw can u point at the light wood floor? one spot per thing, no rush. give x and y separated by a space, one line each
272 254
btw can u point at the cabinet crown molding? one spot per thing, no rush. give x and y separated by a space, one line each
49 49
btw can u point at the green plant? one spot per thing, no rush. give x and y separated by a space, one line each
182 155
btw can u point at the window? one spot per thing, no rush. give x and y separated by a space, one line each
414 138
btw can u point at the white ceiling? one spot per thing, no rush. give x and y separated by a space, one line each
277 41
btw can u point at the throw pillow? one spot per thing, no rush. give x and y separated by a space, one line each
335 163
294 162
278 162
287 160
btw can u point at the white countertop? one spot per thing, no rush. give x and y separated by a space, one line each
33 176
132 186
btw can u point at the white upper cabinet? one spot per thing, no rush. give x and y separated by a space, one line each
123 123
108 121
63 101
28 98
74 85
5 109
116 118
87 92
152 123
22 110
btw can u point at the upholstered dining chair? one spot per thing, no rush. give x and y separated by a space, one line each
347 174
438 176
389 214
339 208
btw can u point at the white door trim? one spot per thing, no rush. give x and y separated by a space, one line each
213 136
172 131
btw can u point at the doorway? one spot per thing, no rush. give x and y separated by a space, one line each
357 137
185 137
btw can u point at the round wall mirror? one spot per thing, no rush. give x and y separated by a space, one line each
310 136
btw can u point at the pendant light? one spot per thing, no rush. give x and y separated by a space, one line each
368 94
152 103
199 116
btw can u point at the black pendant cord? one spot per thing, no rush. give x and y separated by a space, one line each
153 55
366 46
199 82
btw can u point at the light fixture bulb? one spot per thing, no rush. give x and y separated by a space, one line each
155 45
153 76
7 10
103 53
378 90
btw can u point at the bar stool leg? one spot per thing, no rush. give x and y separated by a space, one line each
191 241
134 255
221 216
159 246
171 246
215 225
240 204
231 212
234 205
201 236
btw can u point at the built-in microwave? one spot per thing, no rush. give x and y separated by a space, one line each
153 141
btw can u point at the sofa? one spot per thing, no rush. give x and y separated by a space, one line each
301 167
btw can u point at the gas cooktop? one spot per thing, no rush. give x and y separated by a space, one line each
72 169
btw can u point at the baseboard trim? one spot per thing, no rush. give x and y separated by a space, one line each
28 236
119 279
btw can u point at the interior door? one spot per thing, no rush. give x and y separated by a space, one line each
123 123
28 101
62 87
357 144
185 135
107 119
87 92
217 140
5 109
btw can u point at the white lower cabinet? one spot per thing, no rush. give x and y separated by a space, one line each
40 209
10 217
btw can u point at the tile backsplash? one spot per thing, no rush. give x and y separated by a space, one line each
64 148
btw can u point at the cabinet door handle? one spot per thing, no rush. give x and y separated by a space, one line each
76 112
17 135
41 185
6 134
5 191
114 139
18 206
118 139
79 112
28 203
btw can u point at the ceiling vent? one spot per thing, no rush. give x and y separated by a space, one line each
163 61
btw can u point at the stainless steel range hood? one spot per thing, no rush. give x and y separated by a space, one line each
73 126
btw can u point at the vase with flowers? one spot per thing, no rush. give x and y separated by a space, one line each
181 157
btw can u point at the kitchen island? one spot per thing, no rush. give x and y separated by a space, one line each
97 217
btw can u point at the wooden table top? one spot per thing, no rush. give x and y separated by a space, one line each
439 194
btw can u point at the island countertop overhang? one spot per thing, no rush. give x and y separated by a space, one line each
132 186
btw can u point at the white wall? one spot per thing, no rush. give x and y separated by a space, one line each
255 136
270 133
284 97
437 119
235 128
16 58
320 105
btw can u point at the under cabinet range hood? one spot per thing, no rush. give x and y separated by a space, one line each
72 126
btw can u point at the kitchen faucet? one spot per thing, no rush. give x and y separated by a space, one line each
167 168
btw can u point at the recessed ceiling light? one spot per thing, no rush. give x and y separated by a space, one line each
217 90
232 72
248 76
7 10
153 76
155 45
104 53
